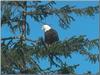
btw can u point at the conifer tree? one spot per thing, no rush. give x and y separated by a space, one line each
16 53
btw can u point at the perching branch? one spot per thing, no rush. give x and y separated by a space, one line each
16 37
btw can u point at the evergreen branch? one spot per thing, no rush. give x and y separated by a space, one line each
74 44
35 63
55 50
51 60
75 10
8 38
43 10
16 37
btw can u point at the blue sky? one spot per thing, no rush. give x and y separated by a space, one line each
83 25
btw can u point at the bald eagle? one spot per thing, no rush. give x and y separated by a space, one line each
50 34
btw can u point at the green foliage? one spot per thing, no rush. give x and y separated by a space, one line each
23 55
67 69
41 11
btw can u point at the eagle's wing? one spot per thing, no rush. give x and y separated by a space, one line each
51 36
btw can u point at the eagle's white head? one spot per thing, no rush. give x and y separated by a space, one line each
46 27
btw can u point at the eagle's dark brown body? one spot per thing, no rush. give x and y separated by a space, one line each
51 36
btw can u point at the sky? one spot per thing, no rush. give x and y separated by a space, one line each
83 25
